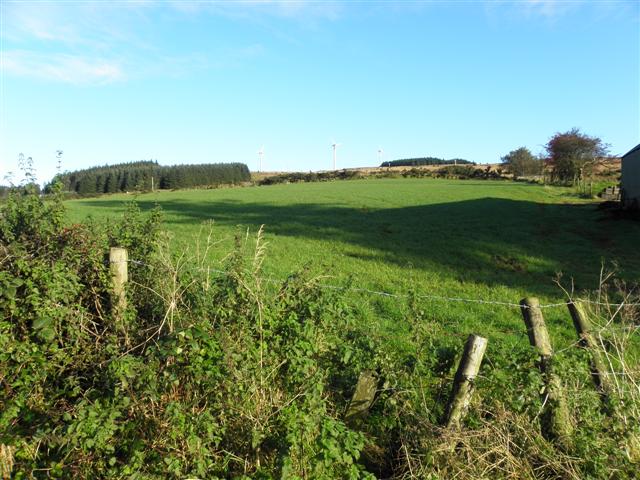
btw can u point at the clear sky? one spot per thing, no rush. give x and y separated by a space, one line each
199 81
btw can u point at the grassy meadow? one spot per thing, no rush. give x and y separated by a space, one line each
488 240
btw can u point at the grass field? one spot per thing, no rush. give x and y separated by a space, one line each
495 241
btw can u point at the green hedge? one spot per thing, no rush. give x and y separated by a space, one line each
417 162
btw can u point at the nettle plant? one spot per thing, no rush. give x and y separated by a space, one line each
210 377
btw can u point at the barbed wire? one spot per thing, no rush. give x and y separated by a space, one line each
445 330
443 298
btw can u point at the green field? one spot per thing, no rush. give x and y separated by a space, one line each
494 241
204 369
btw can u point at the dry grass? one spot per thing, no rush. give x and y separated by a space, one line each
505 445
6 461
508 445
615 318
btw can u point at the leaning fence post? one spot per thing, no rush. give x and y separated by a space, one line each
118 261
557 422
463 382
363 396
583 329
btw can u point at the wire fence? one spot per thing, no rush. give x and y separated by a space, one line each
424 296
446 329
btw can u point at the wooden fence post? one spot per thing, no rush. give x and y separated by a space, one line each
557 422
598 365
364 394
463 382
118 261
536 328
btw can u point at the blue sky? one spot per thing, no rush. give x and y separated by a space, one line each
196 82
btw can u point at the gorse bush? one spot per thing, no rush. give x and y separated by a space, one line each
233 375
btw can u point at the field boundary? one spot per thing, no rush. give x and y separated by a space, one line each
570 301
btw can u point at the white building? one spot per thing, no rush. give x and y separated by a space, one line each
631 178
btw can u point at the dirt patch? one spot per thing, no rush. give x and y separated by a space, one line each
509 263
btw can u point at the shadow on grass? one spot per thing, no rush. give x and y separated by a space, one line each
494 241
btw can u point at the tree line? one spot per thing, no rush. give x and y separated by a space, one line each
416 162
569 158
148 174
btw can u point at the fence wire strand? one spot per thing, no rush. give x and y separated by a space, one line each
420 295
383 335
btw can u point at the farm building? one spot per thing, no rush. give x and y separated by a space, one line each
631 178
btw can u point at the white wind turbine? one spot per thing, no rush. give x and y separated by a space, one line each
334 145
260 154
380 152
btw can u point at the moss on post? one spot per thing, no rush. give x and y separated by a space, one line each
556 421
363 396
588 341
463 382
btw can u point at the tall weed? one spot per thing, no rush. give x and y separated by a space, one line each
226 373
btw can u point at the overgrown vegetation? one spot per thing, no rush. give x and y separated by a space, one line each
459 172
297 177
29 182
145 175
421 161
573 155
521 162
233 375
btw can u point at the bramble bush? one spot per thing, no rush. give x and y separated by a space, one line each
212 377
231 375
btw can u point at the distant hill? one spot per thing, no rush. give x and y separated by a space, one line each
144 175
417 162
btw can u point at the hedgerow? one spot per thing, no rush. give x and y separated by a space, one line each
210 377
415 162
228 374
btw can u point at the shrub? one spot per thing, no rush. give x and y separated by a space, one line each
208 378
295 177
237 376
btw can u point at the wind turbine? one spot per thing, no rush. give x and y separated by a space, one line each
260 154
380 152
334 145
